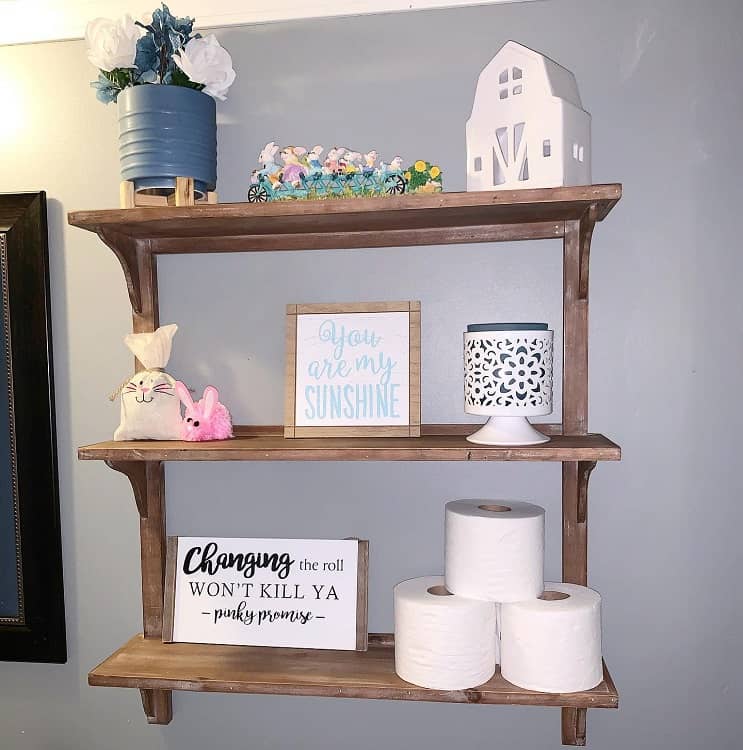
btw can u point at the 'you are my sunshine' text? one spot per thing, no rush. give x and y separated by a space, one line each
351 401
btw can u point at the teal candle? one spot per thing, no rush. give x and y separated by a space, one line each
482 327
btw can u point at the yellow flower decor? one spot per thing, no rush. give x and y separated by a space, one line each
423 177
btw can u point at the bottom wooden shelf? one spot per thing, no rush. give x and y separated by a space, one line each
150 664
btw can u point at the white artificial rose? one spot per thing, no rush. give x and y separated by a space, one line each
205 61
112 44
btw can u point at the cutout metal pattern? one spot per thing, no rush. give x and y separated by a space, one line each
514 372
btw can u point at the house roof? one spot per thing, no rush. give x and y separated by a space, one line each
561 81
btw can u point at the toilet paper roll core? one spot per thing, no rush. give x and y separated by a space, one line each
553 596
496 508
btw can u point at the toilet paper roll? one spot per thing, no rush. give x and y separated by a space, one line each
494 549
442 641
553 643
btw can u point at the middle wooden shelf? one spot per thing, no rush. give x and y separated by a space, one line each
436 443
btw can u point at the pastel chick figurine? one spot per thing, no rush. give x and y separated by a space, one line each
207 419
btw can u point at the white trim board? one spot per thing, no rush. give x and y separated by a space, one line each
24 21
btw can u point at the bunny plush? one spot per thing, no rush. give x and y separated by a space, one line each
149 406
207 419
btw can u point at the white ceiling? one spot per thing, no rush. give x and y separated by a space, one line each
23 21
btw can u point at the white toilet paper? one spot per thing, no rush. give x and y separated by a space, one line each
494 549
442 641
553 644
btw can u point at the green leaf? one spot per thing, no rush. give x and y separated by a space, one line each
179 78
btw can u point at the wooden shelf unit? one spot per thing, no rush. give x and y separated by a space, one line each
149 664
137 236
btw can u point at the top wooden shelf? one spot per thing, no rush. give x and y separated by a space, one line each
393 221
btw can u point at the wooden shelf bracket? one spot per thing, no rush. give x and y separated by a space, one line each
587 223
148 484
157 705
584 474
574 726
127 250
136 473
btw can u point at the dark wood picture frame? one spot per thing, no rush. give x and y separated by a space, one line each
35 631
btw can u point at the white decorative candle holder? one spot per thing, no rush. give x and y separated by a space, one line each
508 377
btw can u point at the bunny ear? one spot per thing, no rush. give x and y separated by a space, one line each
211 397
183 394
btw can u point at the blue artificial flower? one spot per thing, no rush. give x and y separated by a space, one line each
147 58
166 36
106 90
149 76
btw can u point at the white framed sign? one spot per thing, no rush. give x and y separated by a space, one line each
292 593
353 369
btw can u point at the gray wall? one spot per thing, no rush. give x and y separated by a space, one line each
662 81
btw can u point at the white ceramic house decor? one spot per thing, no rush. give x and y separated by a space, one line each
528 127
508 377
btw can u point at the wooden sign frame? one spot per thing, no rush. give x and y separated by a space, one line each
412 429
362 589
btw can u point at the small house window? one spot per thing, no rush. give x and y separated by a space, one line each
517 73
546 147
503 77
478 164
518 89
580 154
575 151
504 93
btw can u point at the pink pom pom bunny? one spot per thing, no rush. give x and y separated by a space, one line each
207 419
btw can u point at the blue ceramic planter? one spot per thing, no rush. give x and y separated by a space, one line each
167 132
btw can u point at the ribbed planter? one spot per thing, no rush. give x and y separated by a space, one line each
167 132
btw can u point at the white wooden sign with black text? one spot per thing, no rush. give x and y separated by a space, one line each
295 593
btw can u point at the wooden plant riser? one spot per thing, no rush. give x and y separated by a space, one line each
183 195
137 237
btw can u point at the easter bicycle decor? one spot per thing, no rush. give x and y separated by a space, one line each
165 79
295 173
